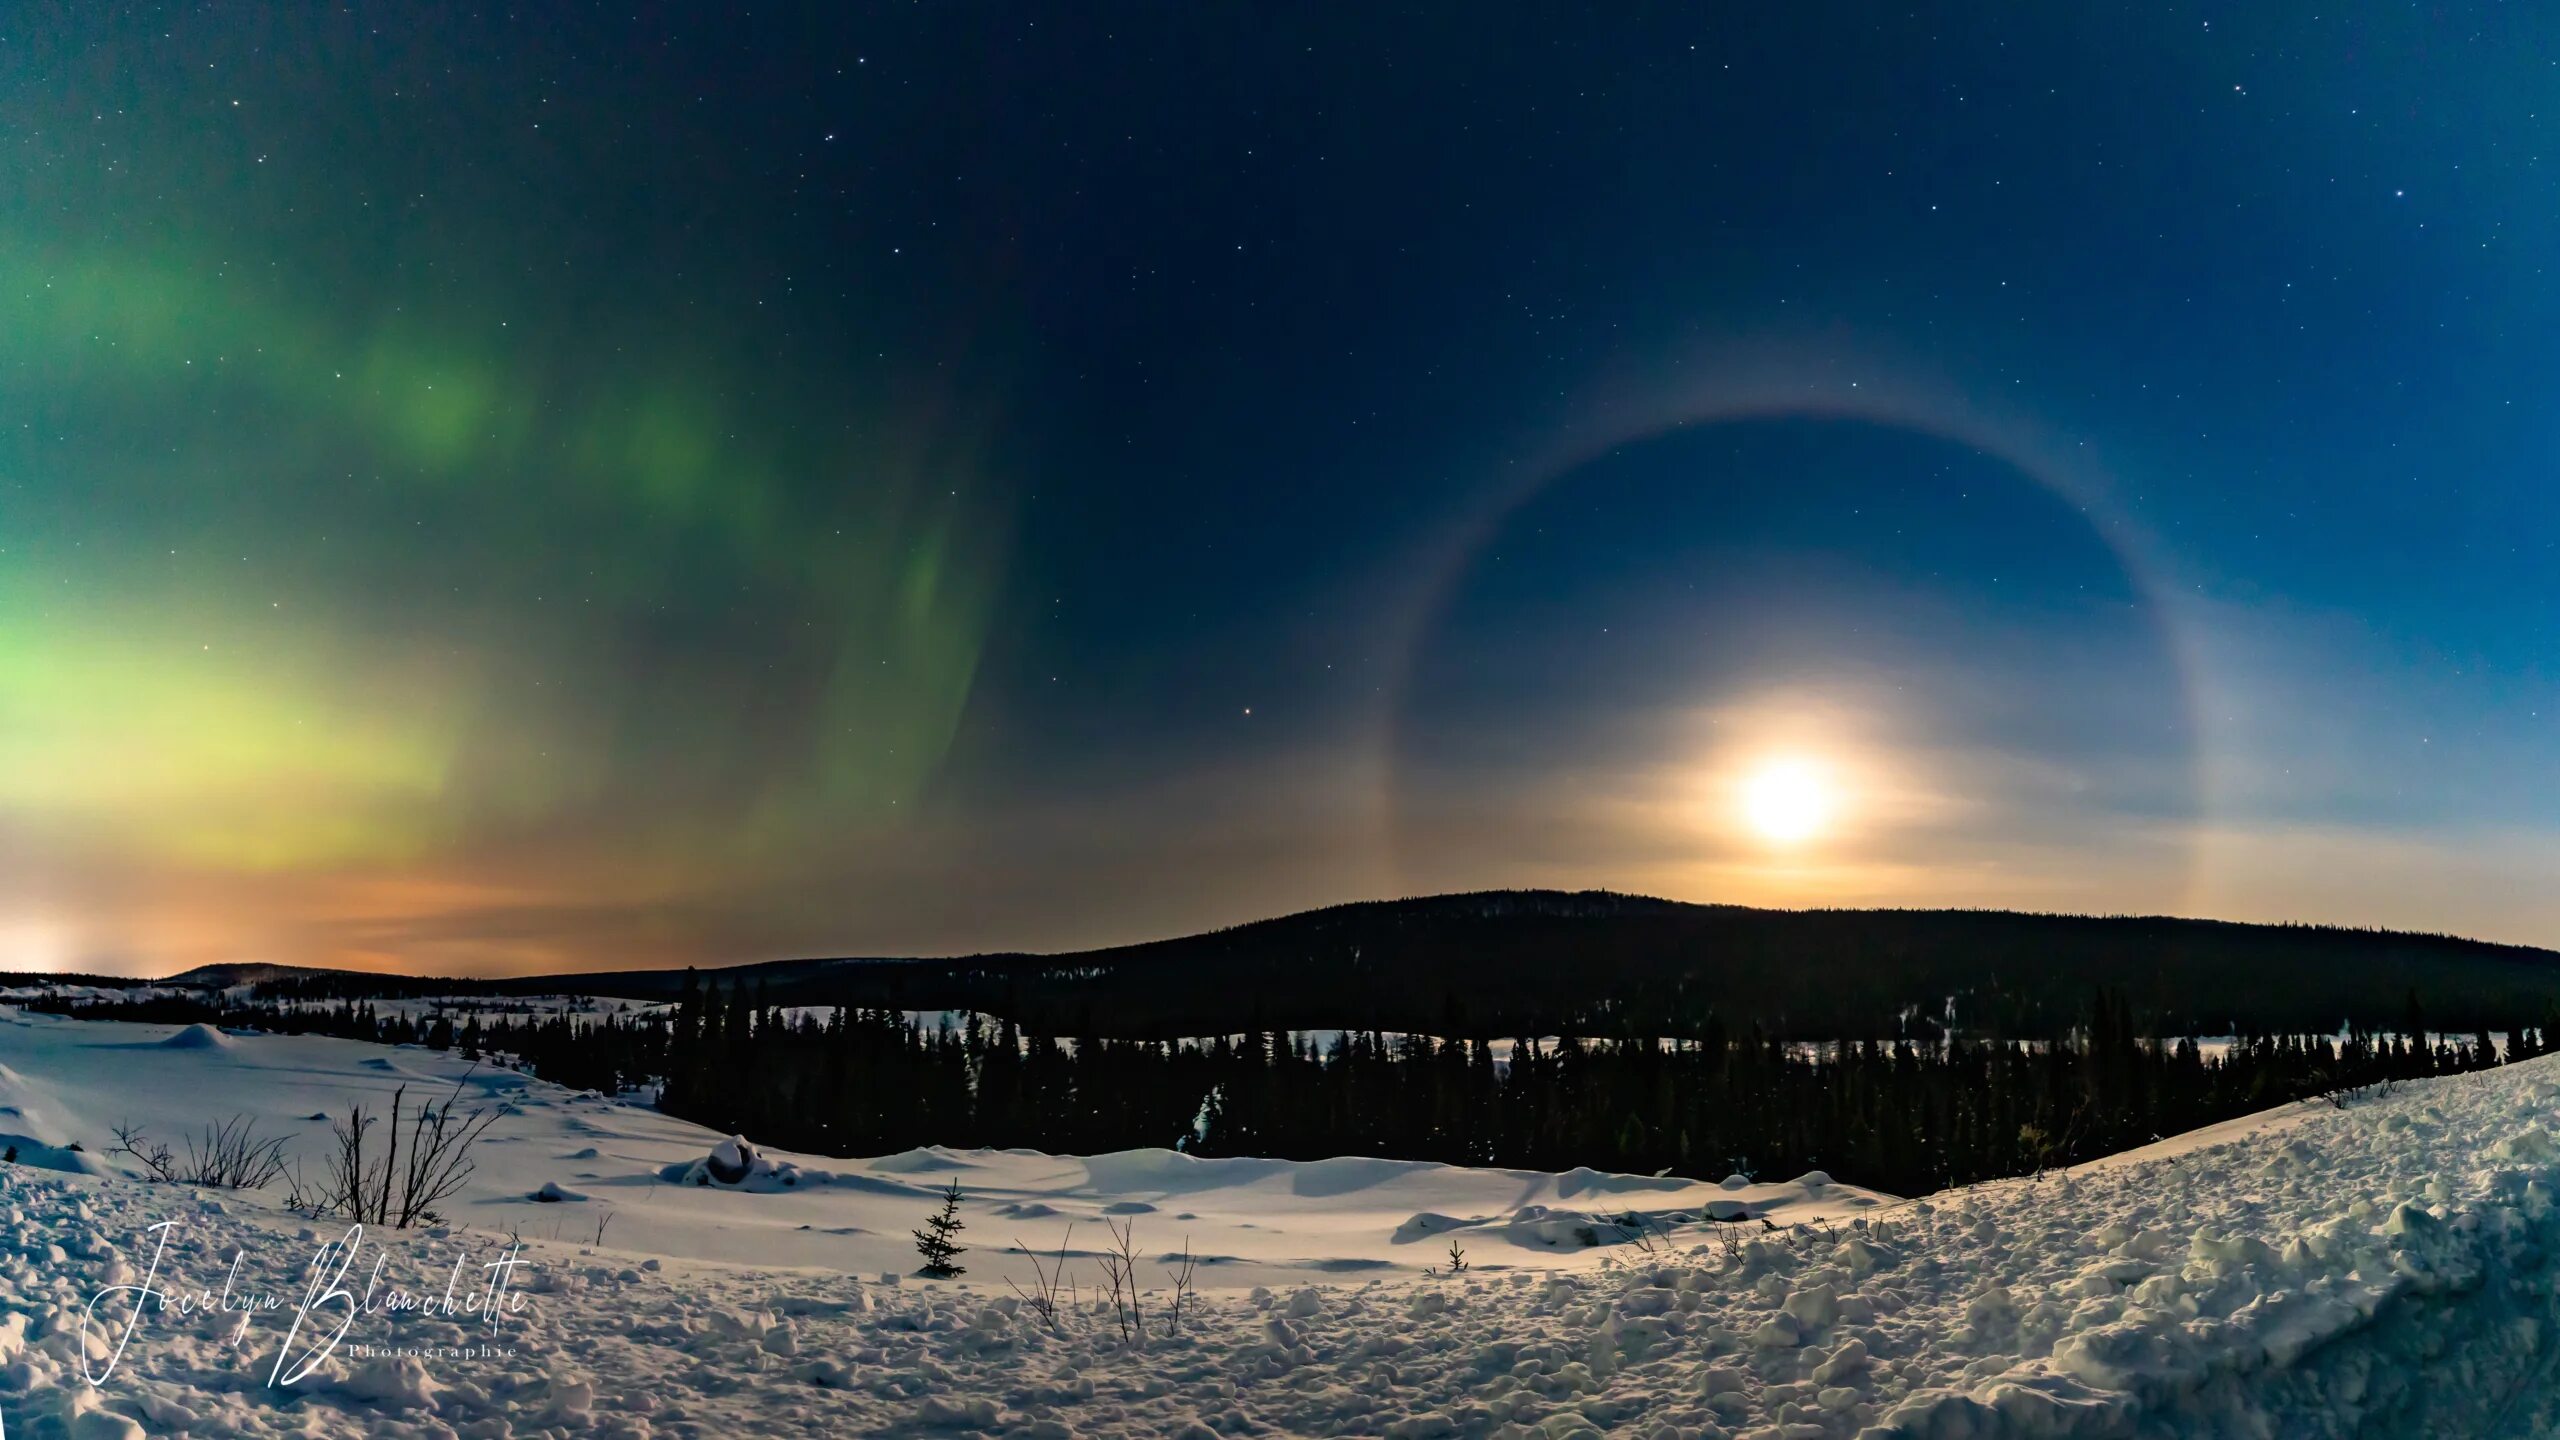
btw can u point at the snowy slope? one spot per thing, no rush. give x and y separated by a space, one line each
2378 1270
1253 1222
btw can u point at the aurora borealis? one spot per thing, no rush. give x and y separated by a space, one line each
499 493
352 576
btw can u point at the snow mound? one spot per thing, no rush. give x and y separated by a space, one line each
732 1161
736 1164
37 1129
1428 1223
1583 1180
390 1382
928 1157
198 1036
554 1193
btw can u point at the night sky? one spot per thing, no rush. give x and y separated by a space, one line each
574 489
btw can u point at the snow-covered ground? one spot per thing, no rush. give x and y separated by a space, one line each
1250 1222
2378 1270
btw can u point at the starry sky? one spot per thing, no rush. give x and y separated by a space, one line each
567 488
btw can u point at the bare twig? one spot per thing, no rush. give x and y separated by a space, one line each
1047 1281
150 1154
1120 1278
229 1157
1637 1229
1180 1274
396 1189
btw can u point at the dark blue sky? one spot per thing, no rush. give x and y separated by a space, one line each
922 478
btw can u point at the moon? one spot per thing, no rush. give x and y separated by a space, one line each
1788 802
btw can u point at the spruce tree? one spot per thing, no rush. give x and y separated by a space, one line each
934 1241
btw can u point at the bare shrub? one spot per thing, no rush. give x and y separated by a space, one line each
1641 1230
229 1156
2343 1096
151 1155
1049 1282
1729 1244
1120 1279
416 1169
1179 1273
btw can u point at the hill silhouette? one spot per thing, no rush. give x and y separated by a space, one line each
1500 963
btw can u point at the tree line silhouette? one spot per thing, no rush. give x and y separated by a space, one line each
1904 1113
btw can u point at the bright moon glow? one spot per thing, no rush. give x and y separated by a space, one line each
1787 801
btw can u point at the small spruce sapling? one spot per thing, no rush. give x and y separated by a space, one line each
934 1241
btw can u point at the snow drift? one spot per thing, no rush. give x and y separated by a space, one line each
197 1037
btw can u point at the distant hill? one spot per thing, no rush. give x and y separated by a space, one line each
1544 962
222 977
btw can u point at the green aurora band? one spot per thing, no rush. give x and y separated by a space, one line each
283 594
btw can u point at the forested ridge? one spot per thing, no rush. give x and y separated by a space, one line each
1504 963
1908 1050
1900 1113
